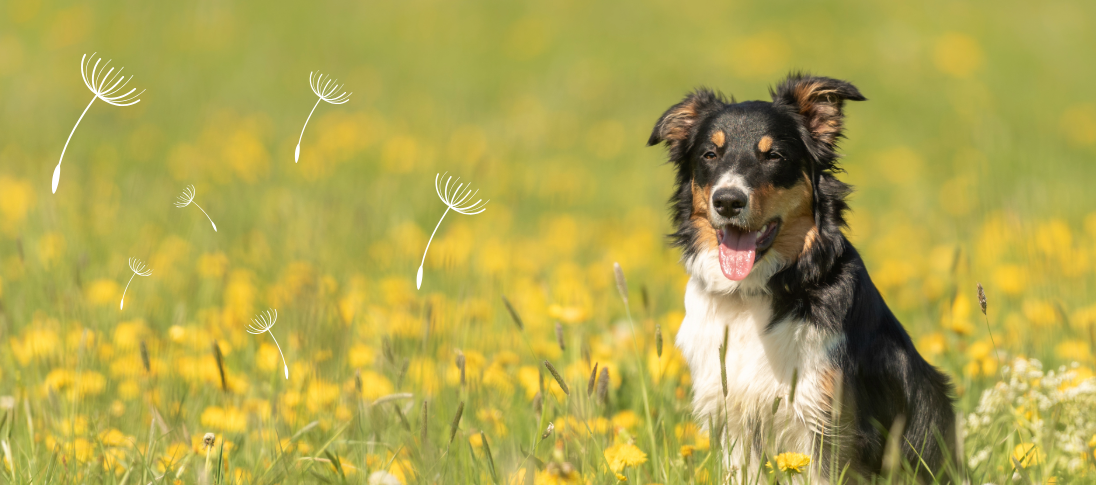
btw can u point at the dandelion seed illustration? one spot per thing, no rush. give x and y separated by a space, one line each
139 269
456 199
105 87
187 198
262 323
325 91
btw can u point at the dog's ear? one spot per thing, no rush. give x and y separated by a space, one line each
678 122
820 100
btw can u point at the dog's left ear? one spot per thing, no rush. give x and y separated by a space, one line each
820 100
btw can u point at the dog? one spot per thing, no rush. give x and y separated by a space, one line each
815 361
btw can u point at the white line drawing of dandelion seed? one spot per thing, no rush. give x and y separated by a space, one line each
187 198
262 323
324 90
454 198
139 269
105 87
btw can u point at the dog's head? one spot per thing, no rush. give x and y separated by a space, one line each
747 174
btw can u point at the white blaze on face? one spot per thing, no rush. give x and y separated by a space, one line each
737 249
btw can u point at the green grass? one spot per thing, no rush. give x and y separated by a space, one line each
971 159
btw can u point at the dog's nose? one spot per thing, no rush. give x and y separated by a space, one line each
729 201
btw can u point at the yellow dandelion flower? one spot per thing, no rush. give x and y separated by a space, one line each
113 437
176 333
259 407
626 419
568 314
114 460
932 344
476 440
102 292
343 413
791 463
89 383
1027 455
360 355
129 389
173 455
36 343
83 449
320 394
197 444
1073 350
224 419
495 419
1040 312
623 455
621 477
375 385
128 335
16 198
268 358
496 377
687 451
1010 279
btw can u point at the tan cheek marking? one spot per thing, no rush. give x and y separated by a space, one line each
793 206
719 139
699 220
765 144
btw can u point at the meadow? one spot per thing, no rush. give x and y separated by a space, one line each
972 162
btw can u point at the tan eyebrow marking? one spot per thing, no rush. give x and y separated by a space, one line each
765 144
719 138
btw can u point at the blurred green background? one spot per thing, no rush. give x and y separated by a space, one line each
972 162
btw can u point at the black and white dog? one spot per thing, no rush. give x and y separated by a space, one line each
759 216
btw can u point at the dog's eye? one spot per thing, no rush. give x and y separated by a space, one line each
709 155
774 155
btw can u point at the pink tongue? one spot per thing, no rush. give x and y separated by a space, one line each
736 253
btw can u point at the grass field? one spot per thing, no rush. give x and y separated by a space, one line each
972 159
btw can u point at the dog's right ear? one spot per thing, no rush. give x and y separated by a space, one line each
678 122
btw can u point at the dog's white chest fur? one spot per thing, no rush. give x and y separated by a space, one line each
760 364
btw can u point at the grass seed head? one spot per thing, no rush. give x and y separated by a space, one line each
559 336
603 385
456 422
144 357
220 365
593 380
658 340
559 378
487 451
548 431
513 313
622 285
982 298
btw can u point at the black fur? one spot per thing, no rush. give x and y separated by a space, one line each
828 285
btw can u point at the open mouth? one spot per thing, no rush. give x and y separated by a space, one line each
739 248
